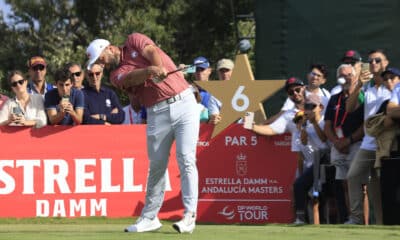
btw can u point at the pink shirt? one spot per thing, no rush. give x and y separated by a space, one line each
149 93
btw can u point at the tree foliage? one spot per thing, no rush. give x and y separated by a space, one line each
60 30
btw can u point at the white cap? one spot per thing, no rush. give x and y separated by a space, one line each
225 63
94 50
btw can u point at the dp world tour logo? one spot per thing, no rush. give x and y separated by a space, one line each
226 213
241 164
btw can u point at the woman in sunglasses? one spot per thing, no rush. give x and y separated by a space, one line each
25 109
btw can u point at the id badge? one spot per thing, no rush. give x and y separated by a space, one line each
339 132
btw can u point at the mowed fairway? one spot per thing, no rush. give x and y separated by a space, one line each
105 228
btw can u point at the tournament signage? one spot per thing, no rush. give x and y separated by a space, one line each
101 171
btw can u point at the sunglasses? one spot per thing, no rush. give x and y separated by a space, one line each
76 74
38 67
377 60
200 69
95 73
292 91
15 83
314 74
309 106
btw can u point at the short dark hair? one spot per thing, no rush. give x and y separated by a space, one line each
378 50
62 75
323 68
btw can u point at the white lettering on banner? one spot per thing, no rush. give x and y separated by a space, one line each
80 170
44 208
287 141
241 185
240 141
246 213
129 185
106 185
231 189
7 182
56 171
203 143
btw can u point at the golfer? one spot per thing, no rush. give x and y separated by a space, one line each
171 115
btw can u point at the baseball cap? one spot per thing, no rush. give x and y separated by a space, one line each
94 50
201 62
313 99
351 56
36 60
293 81
391 70
225 63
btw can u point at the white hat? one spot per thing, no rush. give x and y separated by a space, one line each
94 50
225 63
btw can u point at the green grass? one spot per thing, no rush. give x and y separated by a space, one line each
106 228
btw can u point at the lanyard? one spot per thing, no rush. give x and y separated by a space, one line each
130 115
337 113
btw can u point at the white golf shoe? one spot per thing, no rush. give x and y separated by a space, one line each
187 224
144 225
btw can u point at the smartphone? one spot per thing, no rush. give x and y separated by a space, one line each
364 67
248 120
16 110
65 98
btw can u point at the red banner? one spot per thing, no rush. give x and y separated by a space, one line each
101 171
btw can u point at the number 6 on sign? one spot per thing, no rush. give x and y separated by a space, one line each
240 96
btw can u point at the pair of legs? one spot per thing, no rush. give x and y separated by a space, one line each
178 121
362 172
342 162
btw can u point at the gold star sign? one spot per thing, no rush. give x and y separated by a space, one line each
240 94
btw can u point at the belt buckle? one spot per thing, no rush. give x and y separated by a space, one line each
171 100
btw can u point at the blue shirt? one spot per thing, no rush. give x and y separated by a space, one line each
32 89
52 99
102 102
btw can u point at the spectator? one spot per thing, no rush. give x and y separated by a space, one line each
171 116
353 58
345 131
391 78
25 109
3 99
65 104
203 72
316 77
135 113
77 75
312 142
361 169
202 109
37 76
102 105
284 123
224 69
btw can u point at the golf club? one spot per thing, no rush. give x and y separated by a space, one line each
157 80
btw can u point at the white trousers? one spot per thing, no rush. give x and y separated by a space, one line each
167 122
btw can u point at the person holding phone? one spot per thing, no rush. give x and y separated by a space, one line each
362 171
25 109
64 104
